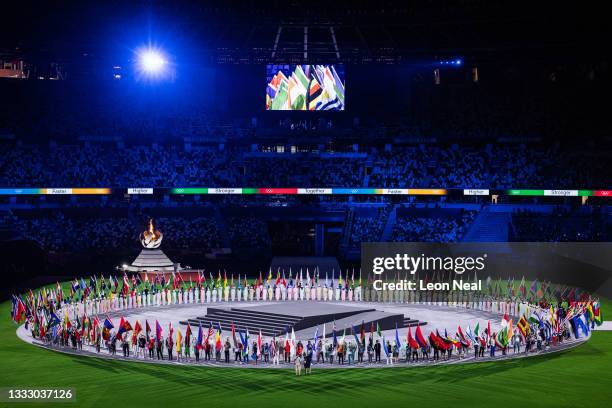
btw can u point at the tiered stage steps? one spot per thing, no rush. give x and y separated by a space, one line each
408 322
274 319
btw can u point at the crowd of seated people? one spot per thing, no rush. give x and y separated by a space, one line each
432 229
59 232
562 225
423 166
369 228
248 234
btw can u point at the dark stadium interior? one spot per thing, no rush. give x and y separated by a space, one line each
526 107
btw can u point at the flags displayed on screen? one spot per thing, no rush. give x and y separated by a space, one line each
305 87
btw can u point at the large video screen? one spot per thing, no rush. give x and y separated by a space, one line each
305 87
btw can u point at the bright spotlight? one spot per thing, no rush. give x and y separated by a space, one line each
152 61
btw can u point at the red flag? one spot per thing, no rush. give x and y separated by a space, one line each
464 339
411 342
259 342
124 326
96 323
136 332
210 332
19 313
438 342
419 337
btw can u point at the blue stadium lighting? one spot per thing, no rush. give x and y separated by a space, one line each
455 62
152 61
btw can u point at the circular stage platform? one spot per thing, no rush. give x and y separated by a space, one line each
273 318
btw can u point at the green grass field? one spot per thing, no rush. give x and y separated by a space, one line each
568 379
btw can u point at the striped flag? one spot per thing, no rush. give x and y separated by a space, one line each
523 326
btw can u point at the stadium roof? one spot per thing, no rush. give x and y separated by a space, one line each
345 31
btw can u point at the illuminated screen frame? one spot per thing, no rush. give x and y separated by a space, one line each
308 87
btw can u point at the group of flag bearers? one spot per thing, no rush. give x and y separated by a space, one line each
79 318
102 297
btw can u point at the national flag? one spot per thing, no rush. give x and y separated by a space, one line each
579 324
419 337
245 344
198 344
179 339
501 339
54 320
75 285
362 333
536 319
233 334
438 342
397 339
523 326
137 330
384 346
108 324
124 326
210 332
522 288
470 334
534 286
19 310
510 330
597 316
323 341
287 337
259 344
504 322
411 341
106 327
218 337
464 339
158 331
335 339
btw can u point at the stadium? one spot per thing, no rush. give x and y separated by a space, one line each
305 203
